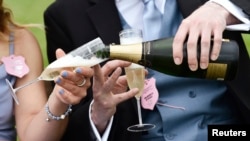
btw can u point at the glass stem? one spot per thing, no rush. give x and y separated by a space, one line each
139 109
29 83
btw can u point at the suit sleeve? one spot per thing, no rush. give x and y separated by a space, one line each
55 34
244 5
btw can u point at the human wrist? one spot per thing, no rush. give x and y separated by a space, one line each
100 120
99 123
229 18
57 117
55 106
100 126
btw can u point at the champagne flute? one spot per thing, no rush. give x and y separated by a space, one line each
135 77
81 56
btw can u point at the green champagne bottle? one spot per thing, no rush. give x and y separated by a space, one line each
157 55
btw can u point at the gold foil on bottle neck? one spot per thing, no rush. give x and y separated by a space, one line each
129 52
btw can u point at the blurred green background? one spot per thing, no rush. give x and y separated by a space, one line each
246 38
31 11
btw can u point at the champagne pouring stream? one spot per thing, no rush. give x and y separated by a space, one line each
81 56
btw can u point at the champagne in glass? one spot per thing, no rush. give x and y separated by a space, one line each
81 56
135 77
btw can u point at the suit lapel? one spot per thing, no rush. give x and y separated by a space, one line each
104 16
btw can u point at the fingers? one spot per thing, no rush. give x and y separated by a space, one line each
121 85
192 49
109 89
110 66
67 97
110 83
81 76
98 78
178 42
70 90
77 76
202 29
126 95
217 42
205 44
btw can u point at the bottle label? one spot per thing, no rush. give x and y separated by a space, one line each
216 71
131 52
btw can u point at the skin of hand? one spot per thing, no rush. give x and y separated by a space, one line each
65 92
109 89
207 22
69 80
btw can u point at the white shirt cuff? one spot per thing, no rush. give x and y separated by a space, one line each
107 131
237 12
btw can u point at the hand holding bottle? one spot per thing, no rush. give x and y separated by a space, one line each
158 55
205 26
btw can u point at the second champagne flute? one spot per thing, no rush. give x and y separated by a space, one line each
135 76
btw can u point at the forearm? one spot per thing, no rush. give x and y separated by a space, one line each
39 129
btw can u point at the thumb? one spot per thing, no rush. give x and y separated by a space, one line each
59 53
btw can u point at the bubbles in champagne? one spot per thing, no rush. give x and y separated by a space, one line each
135 76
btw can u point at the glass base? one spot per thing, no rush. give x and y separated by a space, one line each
12 91
140 127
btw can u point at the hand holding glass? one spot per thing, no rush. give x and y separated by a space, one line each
81 56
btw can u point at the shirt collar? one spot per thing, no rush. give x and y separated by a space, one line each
132 9
159 3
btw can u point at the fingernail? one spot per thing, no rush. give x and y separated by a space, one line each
64 74
193 67
177 61
214 57
58 81
78 70
203 65
61 92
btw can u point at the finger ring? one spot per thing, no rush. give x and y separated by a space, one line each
83 82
